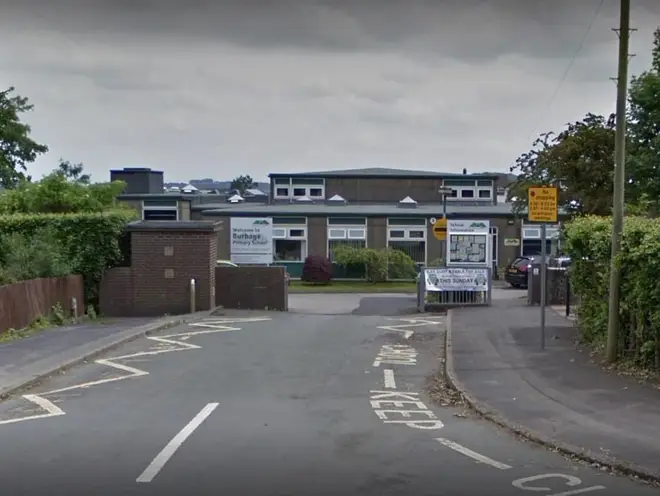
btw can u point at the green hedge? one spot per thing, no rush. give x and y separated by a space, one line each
90 241
588 243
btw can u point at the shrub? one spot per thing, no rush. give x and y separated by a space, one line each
24 257
317 269
378 265
588 244
89 242
436 262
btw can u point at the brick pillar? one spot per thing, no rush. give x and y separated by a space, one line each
165 256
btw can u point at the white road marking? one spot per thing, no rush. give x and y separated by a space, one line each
400 400
389 378
472 454
569 480
166 344
404 328
396 354
168 451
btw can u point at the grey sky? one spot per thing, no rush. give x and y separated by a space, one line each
199 89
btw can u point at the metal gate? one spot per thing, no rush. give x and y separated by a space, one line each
451 287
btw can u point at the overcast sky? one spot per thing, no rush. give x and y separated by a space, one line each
258 86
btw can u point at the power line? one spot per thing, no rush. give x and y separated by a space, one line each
568 69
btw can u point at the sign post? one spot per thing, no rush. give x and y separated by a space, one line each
543 208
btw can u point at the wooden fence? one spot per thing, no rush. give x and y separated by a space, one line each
24 302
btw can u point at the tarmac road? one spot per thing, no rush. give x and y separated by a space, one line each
282 406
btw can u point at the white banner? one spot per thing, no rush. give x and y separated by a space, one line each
456 279
251 240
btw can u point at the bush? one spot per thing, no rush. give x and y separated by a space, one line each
24 257
588 245
86 243
378 265
317 269
436 262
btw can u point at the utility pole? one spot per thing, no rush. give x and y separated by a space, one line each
619 181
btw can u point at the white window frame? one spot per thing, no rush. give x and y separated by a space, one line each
283 232
343 232
407 237
155 208
494 231
290 187
475 188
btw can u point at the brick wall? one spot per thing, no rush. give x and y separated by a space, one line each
165 256
252 288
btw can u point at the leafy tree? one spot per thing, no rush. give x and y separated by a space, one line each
579 161
73 172
17 149
57 194
644 134
242 183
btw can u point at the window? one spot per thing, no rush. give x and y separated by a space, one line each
288 250
495 252
408 239
468 189
454 193
315 192
160 210
347 221
345 236
534 233
467 193
284 192
299 192
299 187
485 194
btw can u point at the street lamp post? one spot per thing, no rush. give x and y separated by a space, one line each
444 192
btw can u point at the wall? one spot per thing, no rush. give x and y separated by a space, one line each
252 288
24 302
165 256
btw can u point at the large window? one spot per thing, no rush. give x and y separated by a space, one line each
299 187
469 189
346 231
289 239
531 239
409 236
160 210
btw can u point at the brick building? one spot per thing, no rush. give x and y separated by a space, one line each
314 212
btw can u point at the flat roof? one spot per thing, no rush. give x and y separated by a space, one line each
366 210
382 172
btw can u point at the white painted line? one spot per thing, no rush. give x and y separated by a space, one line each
167 344
472 454
52 410
168 451
389 378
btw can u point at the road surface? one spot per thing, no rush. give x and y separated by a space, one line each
273 405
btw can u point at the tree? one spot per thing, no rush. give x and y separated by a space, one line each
644 134
242 183
579 161
57 194
17 149
73 172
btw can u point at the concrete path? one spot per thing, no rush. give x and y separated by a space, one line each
273 405
557 395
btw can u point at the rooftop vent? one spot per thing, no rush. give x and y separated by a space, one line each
304 199
235 199
337 199
407 202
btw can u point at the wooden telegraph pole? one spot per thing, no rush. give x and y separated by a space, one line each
619 181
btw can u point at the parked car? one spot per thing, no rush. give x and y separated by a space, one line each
517 271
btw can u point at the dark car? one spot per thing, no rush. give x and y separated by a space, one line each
516 272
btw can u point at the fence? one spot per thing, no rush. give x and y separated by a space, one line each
24 302
451 287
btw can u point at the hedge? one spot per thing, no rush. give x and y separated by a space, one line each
588 243
90 240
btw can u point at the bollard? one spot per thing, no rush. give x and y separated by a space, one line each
74 308
192 296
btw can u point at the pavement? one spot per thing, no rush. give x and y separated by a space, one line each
559 396
274 404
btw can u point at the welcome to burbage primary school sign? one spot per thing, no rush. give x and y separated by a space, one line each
251 240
